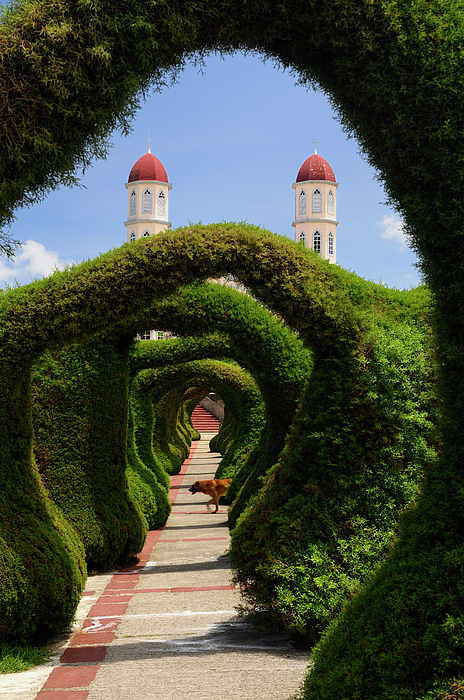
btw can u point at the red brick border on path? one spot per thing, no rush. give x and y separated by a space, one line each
63 694
81 659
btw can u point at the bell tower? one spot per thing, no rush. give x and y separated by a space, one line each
147 198
316 207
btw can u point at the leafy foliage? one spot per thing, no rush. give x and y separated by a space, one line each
393 70
80 430
329 509
228 379
344 320
260 342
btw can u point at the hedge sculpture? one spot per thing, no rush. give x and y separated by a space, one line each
336 320
160 354
245 401
260 342
226 433
80 417
354 461
226 377
393 72
80 428
395 380
147 487
69 307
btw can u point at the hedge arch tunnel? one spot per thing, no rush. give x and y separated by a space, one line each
145 404
238 388
260 342
394 72
80 412
225 377
163 424
93 297
157 354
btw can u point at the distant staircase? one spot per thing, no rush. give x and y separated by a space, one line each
203 421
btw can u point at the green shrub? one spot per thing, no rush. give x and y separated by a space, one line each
80 431
393 71
354 462
145 486
228 379
340 312
261 343
157 354
226 433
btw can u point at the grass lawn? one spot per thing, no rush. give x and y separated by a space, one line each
20 658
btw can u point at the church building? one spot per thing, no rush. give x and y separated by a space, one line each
315 208
148 210
315 188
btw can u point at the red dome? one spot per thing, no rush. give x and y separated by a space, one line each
148 168
315 168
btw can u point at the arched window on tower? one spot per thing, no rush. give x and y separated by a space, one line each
161 203
302 238
330 203
330 244
145 234
317 202
146 202
132 236
302 203
133 203
317 241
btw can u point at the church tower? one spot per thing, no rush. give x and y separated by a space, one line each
316 207
147 198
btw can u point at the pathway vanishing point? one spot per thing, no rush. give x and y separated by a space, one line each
167 628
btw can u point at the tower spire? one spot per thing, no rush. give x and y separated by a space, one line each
315 142
148 141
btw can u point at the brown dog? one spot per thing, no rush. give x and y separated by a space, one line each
214 488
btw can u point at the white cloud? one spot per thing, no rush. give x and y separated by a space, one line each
393 229
32 261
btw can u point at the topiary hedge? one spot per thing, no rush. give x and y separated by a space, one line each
260 342
80 431
393 72
155 354
355 460
146 486
226 433
339 309
228 379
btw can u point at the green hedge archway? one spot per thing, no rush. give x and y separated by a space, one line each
156 355
393 70
332 310
73 305
224 376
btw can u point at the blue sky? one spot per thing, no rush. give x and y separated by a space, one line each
232 139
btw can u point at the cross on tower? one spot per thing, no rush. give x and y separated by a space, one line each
315 142
148 141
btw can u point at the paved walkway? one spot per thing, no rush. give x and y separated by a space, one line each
167 628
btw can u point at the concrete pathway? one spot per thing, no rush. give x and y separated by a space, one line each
167 628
